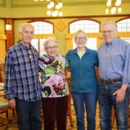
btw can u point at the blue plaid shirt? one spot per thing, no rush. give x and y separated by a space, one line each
21 73
114 60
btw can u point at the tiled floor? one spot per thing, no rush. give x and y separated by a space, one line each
13 124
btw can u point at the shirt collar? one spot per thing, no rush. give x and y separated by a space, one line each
75 50
112 43
23 46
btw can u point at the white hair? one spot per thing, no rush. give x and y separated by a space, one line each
50 39
23 25
114 25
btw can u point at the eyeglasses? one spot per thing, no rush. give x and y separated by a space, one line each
51 47
108 31
80 38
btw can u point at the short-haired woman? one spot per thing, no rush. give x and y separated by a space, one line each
54 86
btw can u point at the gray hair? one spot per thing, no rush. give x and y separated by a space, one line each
50 39
80 31
114 25
23 25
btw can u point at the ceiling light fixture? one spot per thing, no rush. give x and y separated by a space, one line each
113 6
54 8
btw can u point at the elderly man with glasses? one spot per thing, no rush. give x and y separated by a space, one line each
114 70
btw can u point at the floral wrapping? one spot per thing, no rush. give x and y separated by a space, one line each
52 75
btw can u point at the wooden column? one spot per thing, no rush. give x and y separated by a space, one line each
9 30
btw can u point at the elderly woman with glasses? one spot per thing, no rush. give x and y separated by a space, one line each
54 86
84 85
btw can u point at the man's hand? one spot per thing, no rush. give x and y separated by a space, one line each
12 103
120 93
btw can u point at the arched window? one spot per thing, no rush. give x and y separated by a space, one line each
88 26
41 28
124 26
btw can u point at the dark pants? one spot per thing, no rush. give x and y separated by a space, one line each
28 114
107 100
88 101
55 109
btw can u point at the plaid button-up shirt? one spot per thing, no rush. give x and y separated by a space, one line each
21 73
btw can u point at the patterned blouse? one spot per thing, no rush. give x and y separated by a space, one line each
53 76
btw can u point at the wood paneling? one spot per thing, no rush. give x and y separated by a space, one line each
9 33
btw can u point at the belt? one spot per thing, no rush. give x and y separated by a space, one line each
111 80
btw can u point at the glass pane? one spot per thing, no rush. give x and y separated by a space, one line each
123 25
86 25
39 45
42 27
42 51
34 43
